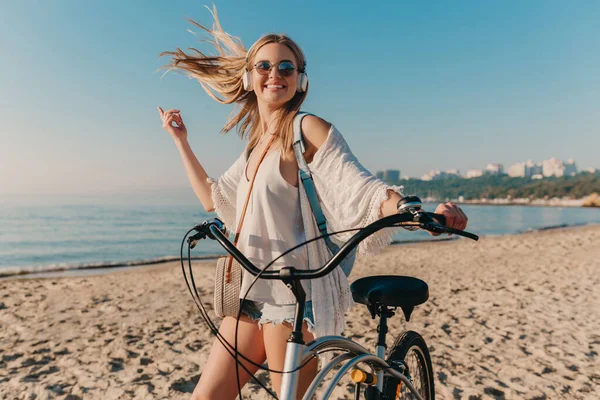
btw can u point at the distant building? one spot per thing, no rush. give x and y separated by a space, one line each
494 169
490 169
430 175
552 167
474 173
533 168
525 170
435 175
390 175
570 168
555 167
547 168
517 170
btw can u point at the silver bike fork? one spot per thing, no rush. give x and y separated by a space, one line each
289 382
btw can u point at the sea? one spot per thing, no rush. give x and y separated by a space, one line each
97 234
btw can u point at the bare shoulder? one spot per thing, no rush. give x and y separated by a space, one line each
315 131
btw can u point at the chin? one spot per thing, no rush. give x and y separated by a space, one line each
276 101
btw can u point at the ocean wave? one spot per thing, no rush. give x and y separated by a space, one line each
558 226
58 267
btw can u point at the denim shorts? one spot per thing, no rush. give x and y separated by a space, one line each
266 313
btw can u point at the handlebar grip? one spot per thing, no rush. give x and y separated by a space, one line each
436 228
445 229
440 218
462 233
203 230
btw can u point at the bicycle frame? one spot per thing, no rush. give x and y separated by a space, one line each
297 353
353 354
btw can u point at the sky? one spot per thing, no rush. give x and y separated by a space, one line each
411 85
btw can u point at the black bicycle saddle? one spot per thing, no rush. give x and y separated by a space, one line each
390 290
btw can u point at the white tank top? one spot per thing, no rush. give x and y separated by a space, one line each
272 225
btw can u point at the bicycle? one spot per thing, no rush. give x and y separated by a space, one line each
406 372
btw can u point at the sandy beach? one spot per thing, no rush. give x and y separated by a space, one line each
515 317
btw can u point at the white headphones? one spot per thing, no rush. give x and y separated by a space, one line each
301 83
247 79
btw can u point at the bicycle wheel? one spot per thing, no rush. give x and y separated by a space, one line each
411 351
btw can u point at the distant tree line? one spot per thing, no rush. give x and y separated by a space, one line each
503 186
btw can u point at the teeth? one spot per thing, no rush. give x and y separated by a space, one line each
274 87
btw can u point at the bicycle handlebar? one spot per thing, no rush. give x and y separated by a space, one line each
214 229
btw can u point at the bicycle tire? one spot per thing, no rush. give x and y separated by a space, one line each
410 348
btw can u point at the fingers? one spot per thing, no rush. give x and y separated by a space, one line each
463 218
450 215
172 119
166 114
455 217
169 117
460 219
178 119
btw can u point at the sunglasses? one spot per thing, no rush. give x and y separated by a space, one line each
285 68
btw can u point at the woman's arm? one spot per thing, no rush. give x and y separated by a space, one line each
173 124
315 131
196 175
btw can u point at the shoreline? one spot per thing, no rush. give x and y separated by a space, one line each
560 203
88 269
17 273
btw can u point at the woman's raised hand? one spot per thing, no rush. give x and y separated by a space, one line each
173 124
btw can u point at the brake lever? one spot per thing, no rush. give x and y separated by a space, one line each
194 239
437 228
203 230
439 217
433 227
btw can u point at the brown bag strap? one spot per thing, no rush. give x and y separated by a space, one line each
239 229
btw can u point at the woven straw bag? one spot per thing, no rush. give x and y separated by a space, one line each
228 275
228 283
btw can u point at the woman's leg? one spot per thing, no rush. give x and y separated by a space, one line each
218 378
275 339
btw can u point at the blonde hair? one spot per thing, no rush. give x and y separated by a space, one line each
221 77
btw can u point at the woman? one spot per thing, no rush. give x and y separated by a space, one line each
266 82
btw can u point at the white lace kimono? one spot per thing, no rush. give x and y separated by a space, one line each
350 197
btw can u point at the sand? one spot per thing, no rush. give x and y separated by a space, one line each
515 317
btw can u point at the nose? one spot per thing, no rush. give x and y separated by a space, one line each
274 71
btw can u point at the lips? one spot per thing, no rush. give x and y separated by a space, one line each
274 86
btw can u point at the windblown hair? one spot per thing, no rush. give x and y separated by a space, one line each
221 77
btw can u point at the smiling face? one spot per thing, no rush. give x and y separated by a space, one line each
273 88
